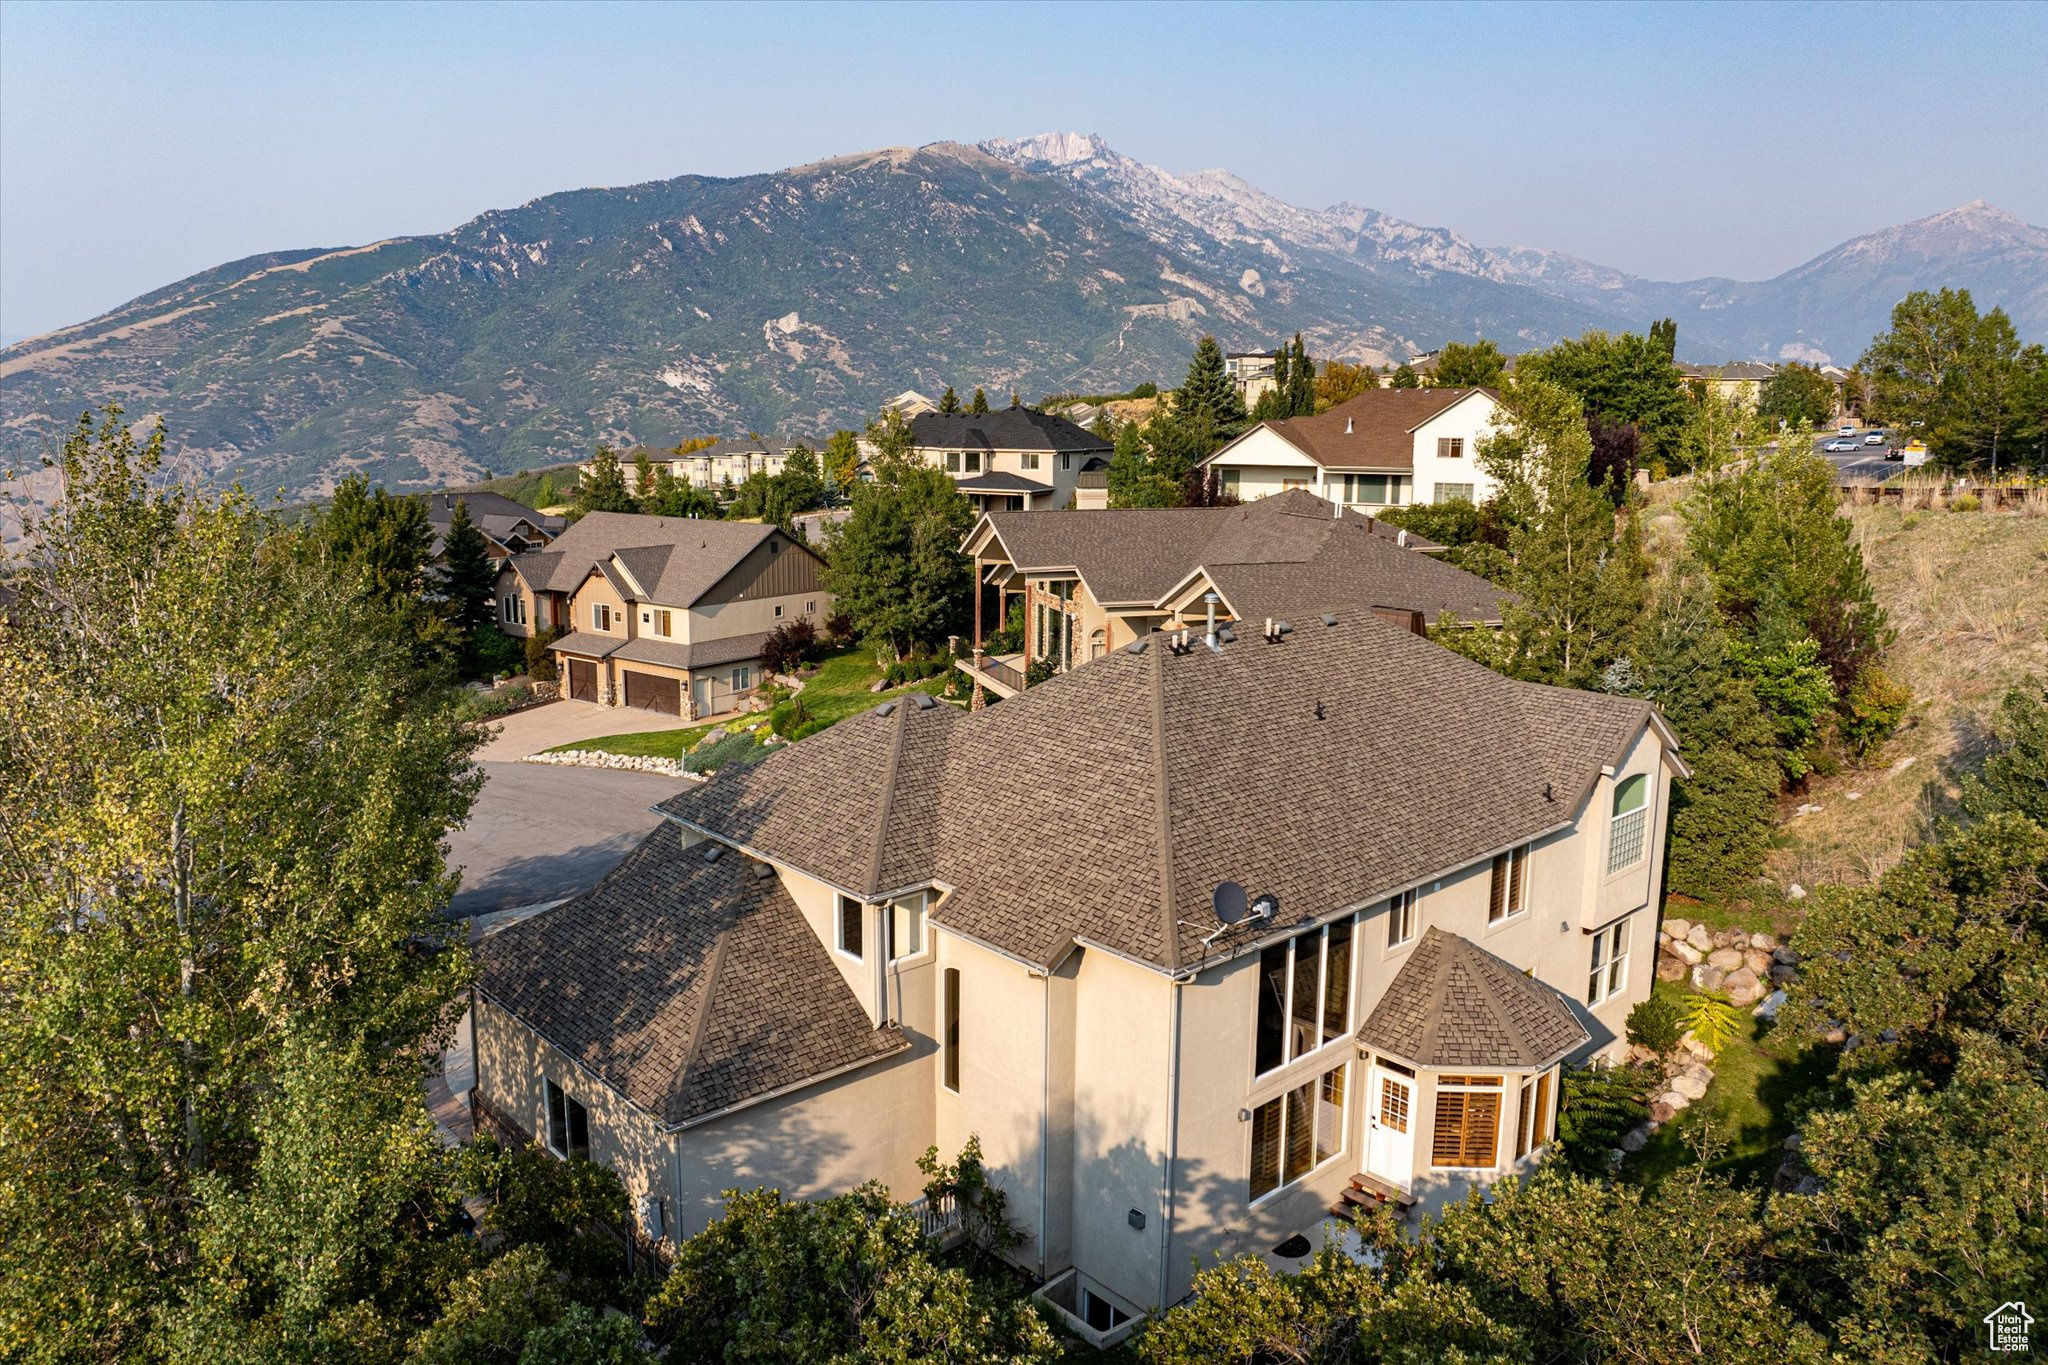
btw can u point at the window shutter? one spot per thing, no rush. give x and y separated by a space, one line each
1497 903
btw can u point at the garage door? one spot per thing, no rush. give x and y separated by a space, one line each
582 680
651 693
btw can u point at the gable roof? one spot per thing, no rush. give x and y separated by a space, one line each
1018 428
675 560
1372 431
1453 1004
1144 762
441 509
689 987
1288 554
738 445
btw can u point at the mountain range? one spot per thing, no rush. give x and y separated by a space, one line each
796 301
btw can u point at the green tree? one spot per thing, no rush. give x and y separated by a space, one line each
225 795
1796 396
386 539
1664 337
980 404
1480 365
1721 816
892 446
1281 393
603 486
2015 776
1794 689
894 565
1577 571
1301 381
672 497
1340 382
851 1278
949 401
1916 368
1405 377
469 585
1132 481
1625 378
841 462
1206 405
643 474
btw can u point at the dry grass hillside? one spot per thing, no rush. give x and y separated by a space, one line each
1968 595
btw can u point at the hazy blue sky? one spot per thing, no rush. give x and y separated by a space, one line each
139 144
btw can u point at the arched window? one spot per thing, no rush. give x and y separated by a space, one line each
1627 830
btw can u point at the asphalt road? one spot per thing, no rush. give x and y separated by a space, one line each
1865 463
539 832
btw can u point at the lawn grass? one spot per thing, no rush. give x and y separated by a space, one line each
837 690
1760 1078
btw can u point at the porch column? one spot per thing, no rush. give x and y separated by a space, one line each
979 589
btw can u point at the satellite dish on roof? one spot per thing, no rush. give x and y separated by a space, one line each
1229 902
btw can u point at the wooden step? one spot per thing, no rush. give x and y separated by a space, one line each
1381 1190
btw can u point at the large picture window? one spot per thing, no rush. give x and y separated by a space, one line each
1608 976
568 1123
1304 995
1294 1133
1625 835
1467 1122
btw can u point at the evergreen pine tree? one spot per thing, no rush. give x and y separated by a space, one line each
468 582
603 488
1405 378
949 401
1301 382
980 402
1207 393
1282 389
643 474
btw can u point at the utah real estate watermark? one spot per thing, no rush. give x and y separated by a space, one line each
2007 1326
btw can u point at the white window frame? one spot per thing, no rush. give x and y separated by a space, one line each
1607 974
1636 832
601 617
1066 462
1456 492
778 610
1296 1082
952 462
1288 1056
1029 459
1404 911
1450 447
859 910
912 910
1515 900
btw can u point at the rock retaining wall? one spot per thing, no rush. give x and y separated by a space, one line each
598 758
1742 966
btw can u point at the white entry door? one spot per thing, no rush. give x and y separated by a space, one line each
1390 1127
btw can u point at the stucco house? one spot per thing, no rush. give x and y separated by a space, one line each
735 461
508 527
1189 979
663 613
1384 448
1093 581
1739 381
1011 459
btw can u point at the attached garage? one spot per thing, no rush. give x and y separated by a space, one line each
582 679
652 692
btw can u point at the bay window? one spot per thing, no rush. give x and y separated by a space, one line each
1467 1130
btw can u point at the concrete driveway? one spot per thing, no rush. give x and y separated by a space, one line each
565 722
540 832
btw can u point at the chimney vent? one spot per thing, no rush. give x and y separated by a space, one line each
1401 539
1347 426
1209 600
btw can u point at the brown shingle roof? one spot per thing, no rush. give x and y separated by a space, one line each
1329 769
676 559
687 986
732 649
1453 1004
1380 422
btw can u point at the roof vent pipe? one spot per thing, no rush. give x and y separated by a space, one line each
1209 600
1347 426
1401 539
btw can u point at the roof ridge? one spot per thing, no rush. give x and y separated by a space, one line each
1170 928
888 801
712 966
1493 997
1439 977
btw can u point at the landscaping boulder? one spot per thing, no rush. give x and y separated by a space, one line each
1795 891
1768 1007
1634 1139
1757 960
1675 929
1784 954
1692 1047
1763 941
1699 938
1686 953
1834 1033
1742 986
1674 1100
1783 972
1693 1081
1670 968
1707 978
1727 959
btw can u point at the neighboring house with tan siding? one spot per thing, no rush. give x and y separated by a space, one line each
823 964
662 613
1384 448
509 528
1014 459
1093 581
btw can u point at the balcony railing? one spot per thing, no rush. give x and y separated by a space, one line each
940 1221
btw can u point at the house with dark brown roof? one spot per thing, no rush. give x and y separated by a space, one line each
1091 582
662 613
1384 448
1011 459
1197 985
508 527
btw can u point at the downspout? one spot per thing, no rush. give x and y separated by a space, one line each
1172 1142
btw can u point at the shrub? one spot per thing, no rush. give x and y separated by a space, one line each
1657 1023
789 646
1712 1021
1037 671
839 629
1964 502
1599 1104
1875 706
737 747
540 663
915 669
494 652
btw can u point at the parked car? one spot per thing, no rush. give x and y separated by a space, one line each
1875 438
1839 447
1848 429
1894 453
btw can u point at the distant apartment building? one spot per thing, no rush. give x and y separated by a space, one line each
1251 372
1384 448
